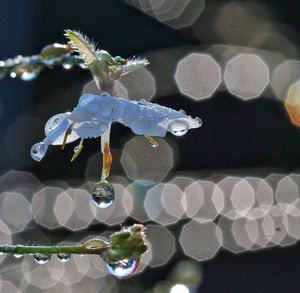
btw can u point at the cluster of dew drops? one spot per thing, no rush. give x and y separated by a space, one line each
121 269
29 69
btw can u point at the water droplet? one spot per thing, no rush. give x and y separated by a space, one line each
142 102
103 194
53 122
123 269
182 112
178 127
41 258
67 66
63 257
38 151
29 75
17 255
199 120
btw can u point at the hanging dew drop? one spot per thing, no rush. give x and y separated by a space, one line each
178 127
103 194
63 257
123 269
17 255
41 258
38 151
29 75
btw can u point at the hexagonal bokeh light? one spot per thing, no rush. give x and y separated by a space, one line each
242 197
164 203
198 76
287 191
292 103
162 245
246 76
284 76
175 13
15 211
203 201
141 161
201 241
43 203
91 88
139 84
241 22
264 196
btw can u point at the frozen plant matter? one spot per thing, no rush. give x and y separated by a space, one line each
94 114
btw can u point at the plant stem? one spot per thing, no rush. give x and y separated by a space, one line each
106 154
20 249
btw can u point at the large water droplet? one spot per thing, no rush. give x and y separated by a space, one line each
103 194
38 151
123 269
41 258
63 257
18 255
178 127
29 75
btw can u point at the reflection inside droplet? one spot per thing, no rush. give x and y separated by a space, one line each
38 151
41 258
178 127
17 255
103 194
63 257
123 269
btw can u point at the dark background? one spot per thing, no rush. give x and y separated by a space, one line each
234 135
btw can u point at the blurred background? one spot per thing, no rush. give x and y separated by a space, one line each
221 204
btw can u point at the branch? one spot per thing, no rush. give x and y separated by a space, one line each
123 245
102 65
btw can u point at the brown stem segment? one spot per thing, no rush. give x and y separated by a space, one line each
106 154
